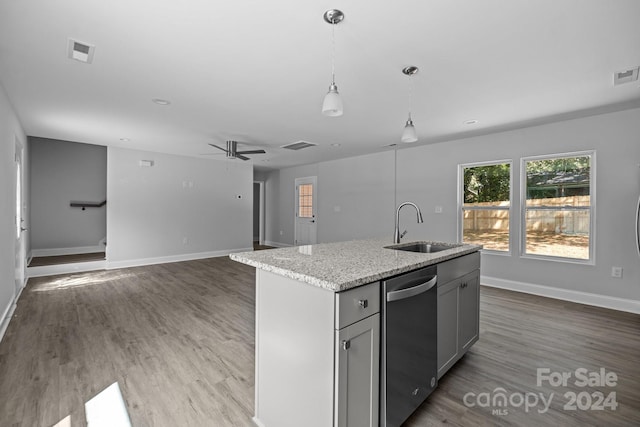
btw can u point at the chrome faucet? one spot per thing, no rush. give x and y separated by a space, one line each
396 234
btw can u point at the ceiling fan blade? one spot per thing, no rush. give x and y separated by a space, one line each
240 156
251 152
219 148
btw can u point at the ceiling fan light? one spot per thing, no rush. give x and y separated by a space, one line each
409 133
332 105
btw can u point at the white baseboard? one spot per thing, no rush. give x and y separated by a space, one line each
276 244
171 258
51 270
67 251
6 318
8 312
631 306
76 267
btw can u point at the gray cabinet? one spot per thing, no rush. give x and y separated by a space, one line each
447 326
357 356
357 373
458 309
469 310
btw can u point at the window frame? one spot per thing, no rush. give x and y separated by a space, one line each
461 208
592 207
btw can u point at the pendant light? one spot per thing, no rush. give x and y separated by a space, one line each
409 133
332 105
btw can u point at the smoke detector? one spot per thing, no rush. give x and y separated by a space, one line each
626 76
80 51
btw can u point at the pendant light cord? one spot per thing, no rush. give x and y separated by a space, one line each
410 93
333 53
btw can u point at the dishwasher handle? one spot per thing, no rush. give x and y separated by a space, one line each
413 291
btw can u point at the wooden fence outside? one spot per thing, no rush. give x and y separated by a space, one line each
557 221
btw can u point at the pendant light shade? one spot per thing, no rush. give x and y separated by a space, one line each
332 105
409 133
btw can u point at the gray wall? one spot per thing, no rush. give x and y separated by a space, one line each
363 187
176 209
279 203
355 198
10 128
61 172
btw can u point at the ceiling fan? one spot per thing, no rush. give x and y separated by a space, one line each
233 153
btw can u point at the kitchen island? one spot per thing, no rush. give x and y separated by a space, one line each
318 325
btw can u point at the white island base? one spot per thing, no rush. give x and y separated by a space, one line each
302 371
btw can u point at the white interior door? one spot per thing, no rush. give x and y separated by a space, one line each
306 227
20 256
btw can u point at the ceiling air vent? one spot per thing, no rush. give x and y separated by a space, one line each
299 145
626 76
80 51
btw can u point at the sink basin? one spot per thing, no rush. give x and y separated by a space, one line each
422 247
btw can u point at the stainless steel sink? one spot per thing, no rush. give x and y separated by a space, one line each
422 247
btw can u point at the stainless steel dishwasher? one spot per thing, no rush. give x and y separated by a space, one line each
408 362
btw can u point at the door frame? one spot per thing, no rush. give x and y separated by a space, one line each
261 214
20 262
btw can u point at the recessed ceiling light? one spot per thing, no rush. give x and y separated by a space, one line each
160 101
336 145
125 139
470 122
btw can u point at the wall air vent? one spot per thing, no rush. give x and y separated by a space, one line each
299 145
626 76
80 51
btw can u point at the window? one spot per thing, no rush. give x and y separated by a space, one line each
558 216
485 202
305 200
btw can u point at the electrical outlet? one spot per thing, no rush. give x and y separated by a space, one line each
185 240
438 209
616 272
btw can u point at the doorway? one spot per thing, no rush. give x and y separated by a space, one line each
306 199
67 205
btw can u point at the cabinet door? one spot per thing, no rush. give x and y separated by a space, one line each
469 310
357 373
447 325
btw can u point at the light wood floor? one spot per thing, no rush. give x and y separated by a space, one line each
179 340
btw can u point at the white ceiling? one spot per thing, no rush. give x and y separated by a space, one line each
257 71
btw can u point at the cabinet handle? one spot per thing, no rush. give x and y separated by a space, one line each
346 344
363 303
463 285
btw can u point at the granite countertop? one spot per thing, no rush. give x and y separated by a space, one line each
345 265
